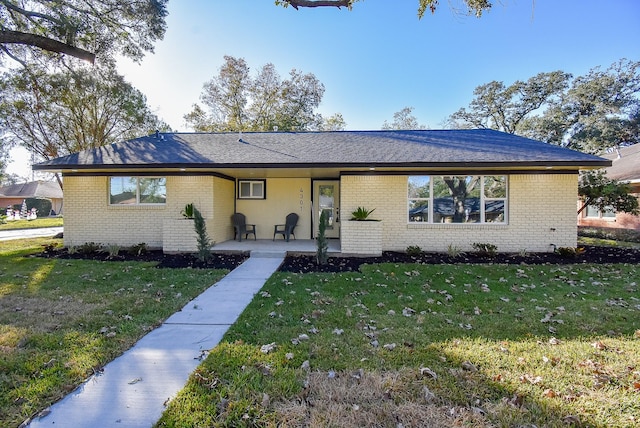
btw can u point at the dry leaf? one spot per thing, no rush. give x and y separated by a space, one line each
469 366
599 345
550 393
426 371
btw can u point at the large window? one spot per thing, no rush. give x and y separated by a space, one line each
457 199
137 190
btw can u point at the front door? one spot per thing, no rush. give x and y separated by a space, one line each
326 195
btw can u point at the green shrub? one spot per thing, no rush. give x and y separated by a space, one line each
414 250
203 240
138 249
454 251
321 240
89 248
570 252
485 249
42 206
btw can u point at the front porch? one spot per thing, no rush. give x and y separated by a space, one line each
279 246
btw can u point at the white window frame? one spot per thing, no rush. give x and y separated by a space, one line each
252 194
600 214
483 201
137 202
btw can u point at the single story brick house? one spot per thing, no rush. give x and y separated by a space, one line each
625 167
14 194
431 188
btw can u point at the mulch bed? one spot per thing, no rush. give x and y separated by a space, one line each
304 264
591 254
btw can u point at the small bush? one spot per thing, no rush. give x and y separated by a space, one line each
321 240
89 248
626 235
485 249
204 243
454 251
188 211
570 252
42 206
138 249
414 250
113 250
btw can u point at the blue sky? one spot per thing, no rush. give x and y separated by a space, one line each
379 58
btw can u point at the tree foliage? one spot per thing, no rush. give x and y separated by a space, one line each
473 7
596 189
80 28
235 101
589 113
55 114
403 119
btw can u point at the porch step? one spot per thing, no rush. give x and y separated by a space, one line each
268 254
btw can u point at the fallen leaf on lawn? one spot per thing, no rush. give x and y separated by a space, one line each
305 365
303 336
265 399
289 356
426 371
599 345
469 366
505 299
338 331
549 393
389 346
571 420
407 312
428 395
527 378
636 386
134 381
477 310
265 349
554 341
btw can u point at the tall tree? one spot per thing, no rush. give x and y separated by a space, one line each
235 101
599 111
54 114
596 189
475 7
504 108
334 122
590 113
403 119
80 28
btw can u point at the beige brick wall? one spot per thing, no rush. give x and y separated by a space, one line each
541 212
90 218
223 196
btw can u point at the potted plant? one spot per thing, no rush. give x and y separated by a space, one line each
362 214
362 235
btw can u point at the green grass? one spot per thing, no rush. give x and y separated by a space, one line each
61 320
585 240
508 346
32 224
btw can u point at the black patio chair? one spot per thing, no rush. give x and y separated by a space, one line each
240 227
286 230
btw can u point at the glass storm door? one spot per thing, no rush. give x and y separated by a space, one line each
327 199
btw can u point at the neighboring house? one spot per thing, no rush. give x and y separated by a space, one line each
510 191
626 168
14 194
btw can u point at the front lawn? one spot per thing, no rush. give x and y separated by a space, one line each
62 320
32 224
428 345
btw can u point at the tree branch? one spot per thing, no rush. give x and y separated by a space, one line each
17 37
319 3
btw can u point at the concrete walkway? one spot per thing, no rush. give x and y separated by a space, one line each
133 388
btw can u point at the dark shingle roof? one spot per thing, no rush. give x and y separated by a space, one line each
627 165
32 189
436 148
